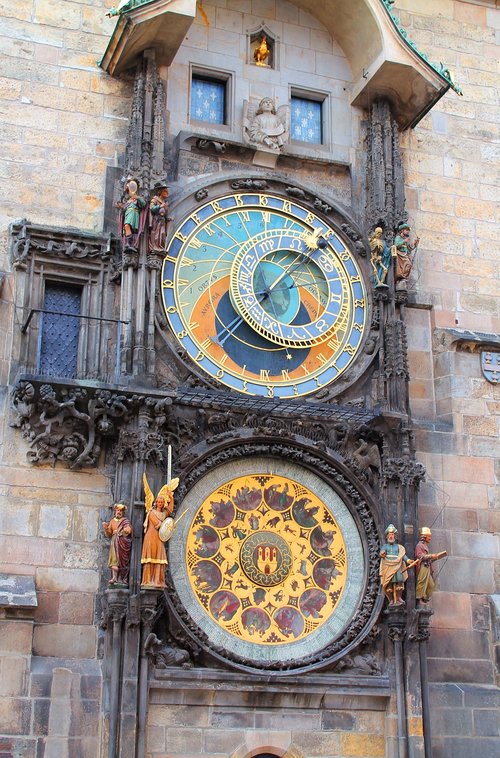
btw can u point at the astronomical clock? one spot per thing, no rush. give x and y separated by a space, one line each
266 298
264 295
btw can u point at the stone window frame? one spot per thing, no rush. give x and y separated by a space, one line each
217 75
317 96
70 258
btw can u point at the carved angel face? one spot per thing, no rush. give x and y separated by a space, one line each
266 105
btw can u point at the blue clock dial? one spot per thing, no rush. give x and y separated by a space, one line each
263 295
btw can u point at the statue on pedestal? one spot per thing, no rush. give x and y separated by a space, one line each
119 529
425 571
401 251
394 565
158 528
131 216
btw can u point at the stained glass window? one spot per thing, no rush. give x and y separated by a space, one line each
59 334
306 119
208 100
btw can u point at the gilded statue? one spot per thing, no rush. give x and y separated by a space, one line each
266 126
261 52
119 530
158 528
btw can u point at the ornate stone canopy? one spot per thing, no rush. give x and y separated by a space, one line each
384 63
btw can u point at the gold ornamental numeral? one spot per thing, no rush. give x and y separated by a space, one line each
310 218
209 230
180 236
182 334
171 309
263 200
264 375
243 216
216 206
168 284
270 390
287 206
359 303
196 243
285 375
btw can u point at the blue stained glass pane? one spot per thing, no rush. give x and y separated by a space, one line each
306 120
59 334
208 101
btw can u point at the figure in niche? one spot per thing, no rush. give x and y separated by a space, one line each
131 216
261 52
265 126
401 251
158 528
394 565
158 218
119 529
380 258
425 570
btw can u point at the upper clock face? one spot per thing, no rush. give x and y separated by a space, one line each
264 295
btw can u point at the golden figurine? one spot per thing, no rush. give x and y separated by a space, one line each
380 258
261 52
158 528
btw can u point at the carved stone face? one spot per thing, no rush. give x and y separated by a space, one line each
266 105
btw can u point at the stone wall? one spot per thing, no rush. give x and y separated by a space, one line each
451 178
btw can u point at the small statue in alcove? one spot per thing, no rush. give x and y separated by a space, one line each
119 530
402 250
394 565
132 206
261 52
380 258
158 218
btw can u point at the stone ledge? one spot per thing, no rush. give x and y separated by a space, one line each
207 687
17 591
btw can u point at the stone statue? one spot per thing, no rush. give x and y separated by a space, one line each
158 528
158 218
401 251
265 126
394 565
425 571
131 217
380 258
261 52
119 529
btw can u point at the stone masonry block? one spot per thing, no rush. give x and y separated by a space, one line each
70 641
318 743
66 580
460 670
15 715
76 608
13 676
176 740
182 715
462 574
452 610
55 521
473 545
451 721
486 722
16 637
362 745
